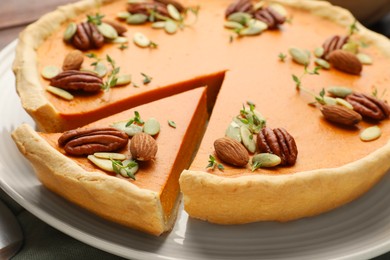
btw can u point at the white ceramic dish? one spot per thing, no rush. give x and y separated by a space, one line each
359 230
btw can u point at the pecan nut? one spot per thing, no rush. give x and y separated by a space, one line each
278 141
77 80
87 37
147 7
333 43
244 6
92 140
271 17
369 107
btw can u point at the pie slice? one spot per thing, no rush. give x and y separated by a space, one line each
148 203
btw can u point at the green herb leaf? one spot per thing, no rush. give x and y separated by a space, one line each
123 46
97 19
171 123
255 166
282 57
353 28
118 167
113 76
147 78
135 120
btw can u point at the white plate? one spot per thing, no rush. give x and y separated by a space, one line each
359 230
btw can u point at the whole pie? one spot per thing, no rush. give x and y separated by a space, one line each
296 90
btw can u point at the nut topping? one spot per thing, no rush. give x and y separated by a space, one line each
120 29
333 43
369 107
345 61
145 7
269 16
143 147
91 140
73 60
340 115
231 151
77 80
176 4
87 37
278 141
242 6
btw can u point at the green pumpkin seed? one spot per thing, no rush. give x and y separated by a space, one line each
255 27
137 19
264 160
170 27
248 139
279 9
158 25
233 131
330 101
233 25
352 47
120 40
340 92
123 15
240 17
319 52
174 13
322 63
103 164
50 71
370 133
300 56
258 5
130 130
60 92
107 31
364 58
100 69
344 103
70 31
141 40
114 156
123 80
152 126
130 171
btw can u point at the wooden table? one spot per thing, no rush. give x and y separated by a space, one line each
15 15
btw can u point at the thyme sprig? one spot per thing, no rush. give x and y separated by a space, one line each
93 56
113 76
119 168
298 79
353 28
95 19
213 163
282 57
250 118
135 120
147 78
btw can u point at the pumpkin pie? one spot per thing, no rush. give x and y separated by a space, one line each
241 64
148 203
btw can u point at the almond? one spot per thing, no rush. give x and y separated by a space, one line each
231 151
143 147
73 60
340 115
120 29
345 61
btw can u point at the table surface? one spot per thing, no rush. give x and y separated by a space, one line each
14 19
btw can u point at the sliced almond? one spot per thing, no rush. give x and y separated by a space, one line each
50 71
371 133
114 156
103 164
60 92
173 12
152 126
130 130
171 27
158 25
141 40
364 59
123 80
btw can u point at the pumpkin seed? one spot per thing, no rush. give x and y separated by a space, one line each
340 92
141 40
136 1
123 15
137 19
255 27
279 9
151 126
100 69
300 56
120 39
240 17
258 5
103 164
60 92
158 25
50 71
364 58
330 101
265 160
107 31
344 103
248 139
123 80
114 156
318 52
238 121
130 171
70 31
233 131
352 47
322 63
130 130
173 12
233 25
170 27
370 133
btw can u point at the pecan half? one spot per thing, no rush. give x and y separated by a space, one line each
147 7
271 17
87 37
244 6
333 43
278 141
77 80
92 140
369 107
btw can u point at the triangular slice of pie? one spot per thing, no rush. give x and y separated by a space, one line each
148 203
